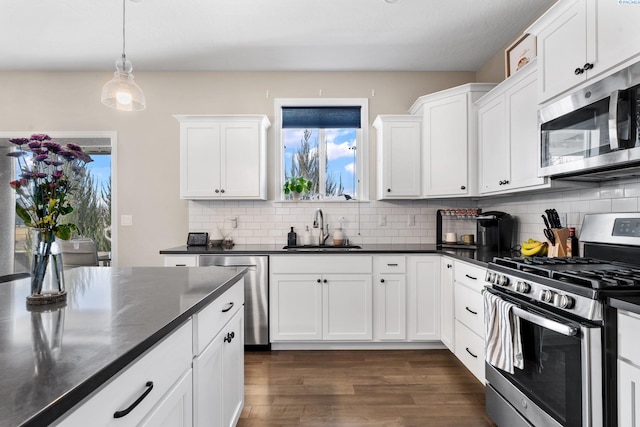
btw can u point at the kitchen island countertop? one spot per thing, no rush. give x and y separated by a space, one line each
475 256
53 356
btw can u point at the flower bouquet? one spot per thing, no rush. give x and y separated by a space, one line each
44 191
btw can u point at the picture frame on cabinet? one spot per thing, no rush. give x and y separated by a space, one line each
520 53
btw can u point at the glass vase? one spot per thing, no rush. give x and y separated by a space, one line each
47 275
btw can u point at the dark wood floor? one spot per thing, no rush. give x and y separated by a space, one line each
360 388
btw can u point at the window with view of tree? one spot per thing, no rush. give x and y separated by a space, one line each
320 144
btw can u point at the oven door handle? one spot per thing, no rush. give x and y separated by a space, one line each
566 330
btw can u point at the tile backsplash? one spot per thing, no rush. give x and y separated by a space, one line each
406 222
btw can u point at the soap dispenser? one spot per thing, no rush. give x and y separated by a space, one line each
292 238
306 237
338 236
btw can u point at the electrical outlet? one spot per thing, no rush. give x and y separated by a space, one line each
411 220
126 220
382 220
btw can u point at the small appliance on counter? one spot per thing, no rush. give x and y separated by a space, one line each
494 231
454 229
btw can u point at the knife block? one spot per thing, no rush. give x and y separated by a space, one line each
560 248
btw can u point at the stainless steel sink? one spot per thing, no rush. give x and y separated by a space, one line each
321 248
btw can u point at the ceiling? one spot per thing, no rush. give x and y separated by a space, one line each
261 35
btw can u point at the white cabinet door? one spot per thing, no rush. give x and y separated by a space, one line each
233 370
398 152
223 157
390 307
423 278
175 409
562 48
494 146
523 134
445 155
242 165
447 304
219 377
347 302
199 160
628 395
296 307
618 37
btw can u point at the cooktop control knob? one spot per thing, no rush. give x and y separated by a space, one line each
523 287
563 301
503 280
546 296
490 276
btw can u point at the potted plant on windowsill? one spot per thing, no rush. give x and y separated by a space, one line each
296 185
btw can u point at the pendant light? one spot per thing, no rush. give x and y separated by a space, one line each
121 92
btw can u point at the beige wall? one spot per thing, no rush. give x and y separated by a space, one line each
148 141
493 70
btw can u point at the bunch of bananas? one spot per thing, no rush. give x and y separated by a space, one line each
534 248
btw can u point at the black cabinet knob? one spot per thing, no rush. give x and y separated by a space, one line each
319 280
222 191
578 71
381 280
217 191
462 187
325 280
587 66
388 190
449 265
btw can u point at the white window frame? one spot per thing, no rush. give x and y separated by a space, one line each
113 136
362 156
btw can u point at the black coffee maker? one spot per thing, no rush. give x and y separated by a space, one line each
494 232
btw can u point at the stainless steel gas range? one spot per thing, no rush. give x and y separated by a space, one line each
567 334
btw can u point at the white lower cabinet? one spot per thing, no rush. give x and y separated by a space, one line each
332 301
181 260
469 316
423 302
447 315
390 298
628 369
161 375
219 377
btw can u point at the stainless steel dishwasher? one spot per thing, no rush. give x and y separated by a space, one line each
256 294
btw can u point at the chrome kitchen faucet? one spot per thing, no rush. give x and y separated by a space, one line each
322 236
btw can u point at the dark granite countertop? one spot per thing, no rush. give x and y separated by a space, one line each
629 303
478 257
53 357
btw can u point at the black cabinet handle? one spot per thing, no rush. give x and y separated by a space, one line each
449 265
392 265
381 280
230 336
472 355
588 66
125 412
471 311
578 71
462 187
181 265
228 308
471 277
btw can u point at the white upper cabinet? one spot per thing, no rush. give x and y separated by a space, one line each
580 39
398 156
449 140
508 135
223 157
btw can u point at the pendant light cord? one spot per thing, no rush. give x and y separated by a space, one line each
124 10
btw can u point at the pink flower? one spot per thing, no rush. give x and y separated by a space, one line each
40 137
19 141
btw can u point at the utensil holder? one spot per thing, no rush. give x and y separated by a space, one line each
560 248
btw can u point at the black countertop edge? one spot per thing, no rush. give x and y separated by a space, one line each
86 389
629 303
475 256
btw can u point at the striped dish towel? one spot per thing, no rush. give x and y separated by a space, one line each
503 345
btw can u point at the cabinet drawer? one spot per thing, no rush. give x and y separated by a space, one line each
390 264
164 364
470 350
211 319
469 275
469 308
322 264
181 260
628 344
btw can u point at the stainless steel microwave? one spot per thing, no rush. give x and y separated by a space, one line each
594 133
